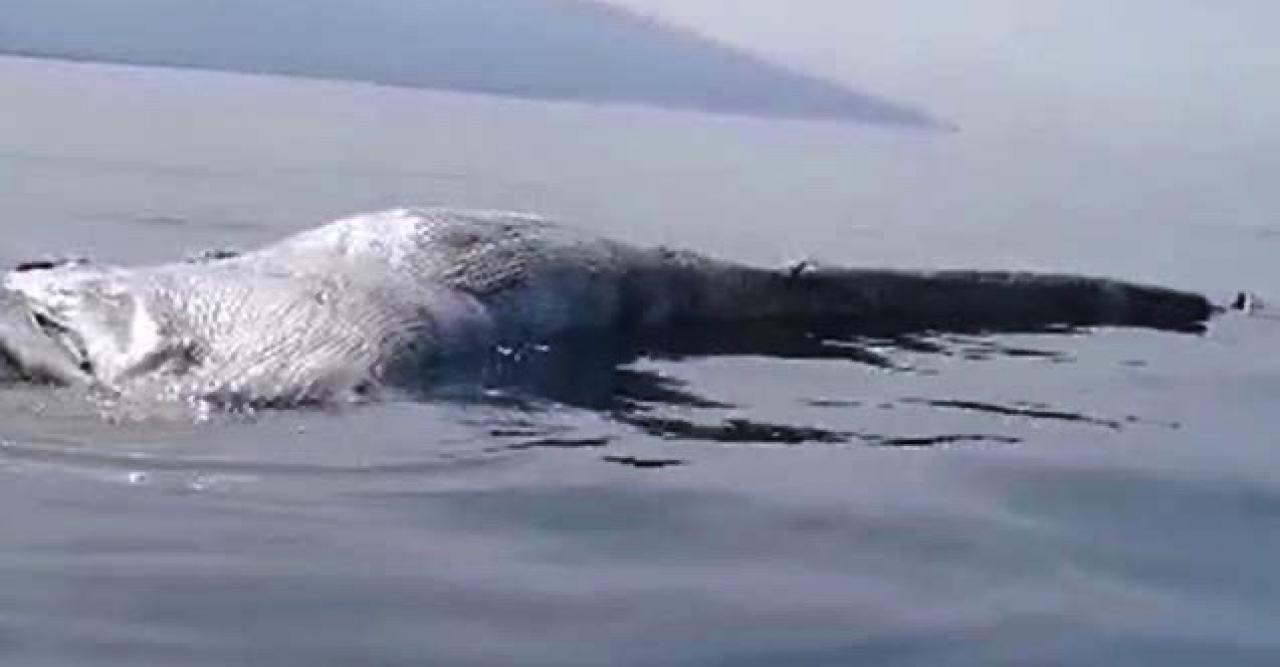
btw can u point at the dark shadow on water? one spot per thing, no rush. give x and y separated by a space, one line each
635 388
600 375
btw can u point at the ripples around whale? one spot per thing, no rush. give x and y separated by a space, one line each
920 390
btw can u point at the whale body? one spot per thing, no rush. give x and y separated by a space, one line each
372 299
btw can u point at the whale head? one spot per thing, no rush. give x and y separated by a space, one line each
32 349
251 331
97 318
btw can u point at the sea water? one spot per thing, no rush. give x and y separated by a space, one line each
1092 497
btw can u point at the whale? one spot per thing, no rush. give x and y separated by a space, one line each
383 298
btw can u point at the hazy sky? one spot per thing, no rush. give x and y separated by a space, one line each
965 59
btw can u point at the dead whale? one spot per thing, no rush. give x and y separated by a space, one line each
373 299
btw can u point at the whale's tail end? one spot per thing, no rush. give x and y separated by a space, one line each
1010 301
875 301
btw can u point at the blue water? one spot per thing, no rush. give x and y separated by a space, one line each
1105 497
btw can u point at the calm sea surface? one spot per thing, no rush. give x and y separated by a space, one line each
1107 497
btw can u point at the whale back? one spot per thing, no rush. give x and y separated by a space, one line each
348 305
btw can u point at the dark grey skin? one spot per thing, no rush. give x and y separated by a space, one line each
376 299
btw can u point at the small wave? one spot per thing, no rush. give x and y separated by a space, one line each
644 464
734 431
558 443
138 463
908 442
1029 412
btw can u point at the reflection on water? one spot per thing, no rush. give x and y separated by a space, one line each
591 378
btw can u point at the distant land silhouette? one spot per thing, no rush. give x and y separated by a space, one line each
544 49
